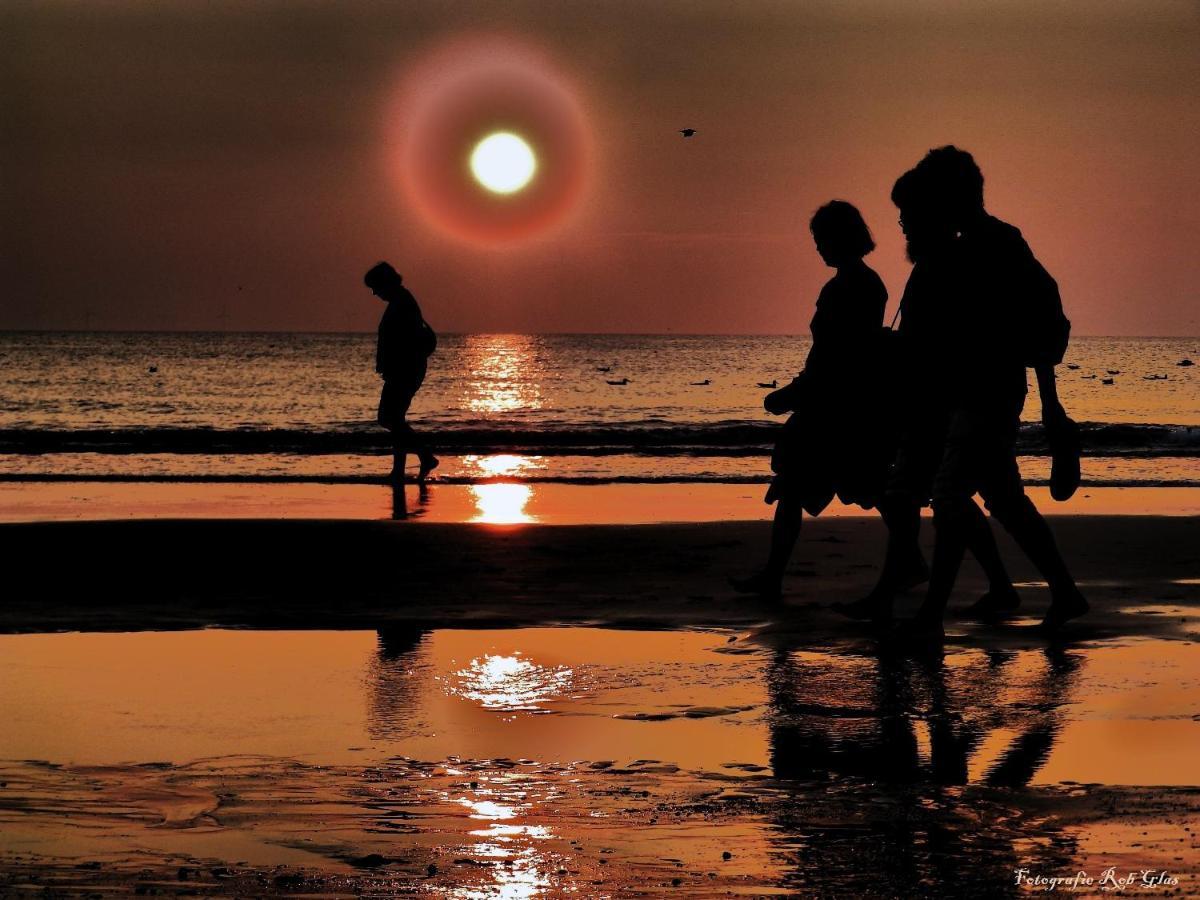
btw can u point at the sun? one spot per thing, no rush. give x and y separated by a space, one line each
503 163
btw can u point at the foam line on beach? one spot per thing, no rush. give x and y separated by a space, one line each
255 478
732 438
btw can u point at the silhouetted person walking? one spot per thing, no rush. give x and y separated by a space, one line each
914 421
844 431
995 311
405 343
824 448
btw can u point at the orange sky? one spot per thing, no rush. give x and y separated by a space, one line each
197 165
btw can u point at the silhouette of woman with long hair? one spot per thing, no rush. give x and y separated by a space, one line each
824 448
405 344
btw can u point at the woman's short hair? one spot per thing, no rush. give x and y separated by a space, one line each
840 226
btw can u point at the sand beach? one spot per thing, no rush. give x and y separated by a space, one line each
533 690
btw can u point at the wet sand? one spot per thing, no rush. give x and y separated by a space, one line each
491 503
465 829
881 774
541 762
164 574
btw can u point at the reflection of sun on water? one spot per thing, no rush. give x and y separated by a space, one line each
489 810
511 682
505 372
499 464
502 504
522 870
516 879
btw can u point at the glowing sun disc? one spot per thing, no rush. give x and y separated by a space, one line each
503 163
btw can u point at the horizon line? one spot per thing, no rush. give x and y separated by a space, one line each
265 331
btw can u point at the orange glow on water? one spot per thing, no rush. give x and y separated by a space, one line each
503 373
502 504
512 682
500 464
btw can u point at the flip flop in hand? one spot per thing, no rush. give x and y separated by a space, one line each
1062 434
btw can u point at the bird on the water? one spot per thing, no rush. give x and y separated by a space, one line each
619 381
687 132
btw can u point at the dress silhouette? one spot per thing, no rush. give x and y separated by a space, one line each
824 448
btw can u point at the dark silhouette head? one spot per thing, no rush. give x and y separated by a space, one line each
954 183
840 233
924 221
384 281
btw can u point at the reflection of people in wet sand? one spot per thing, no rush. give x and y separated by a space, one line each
400 507
824 448
990 311
883 736
405 344
394 682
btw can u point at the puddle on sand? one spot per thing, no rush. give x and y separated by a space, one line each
525 762
346 697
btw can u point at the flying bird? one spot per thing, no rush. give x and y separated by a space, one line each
687 132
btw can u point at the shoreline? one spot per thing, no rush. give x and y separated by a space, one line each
495 502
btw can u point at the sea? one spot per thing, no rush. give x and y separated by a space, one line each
506 407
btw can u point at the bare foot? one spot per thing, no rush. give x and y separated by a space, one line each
875 607
1063 610
428 464
994 606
